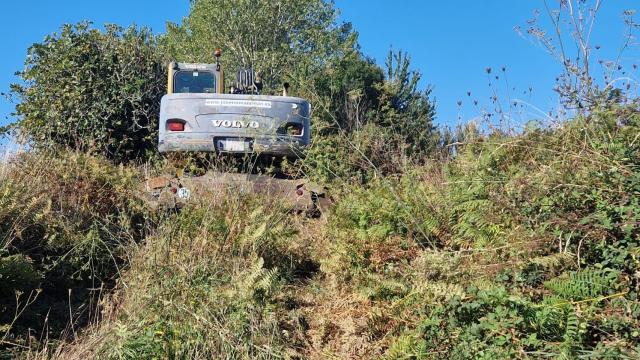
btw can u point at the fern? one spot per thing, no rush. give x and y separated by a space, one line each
259 282
571 327
440 290
407 346
588 283
473 222
554 260
382 288
267 283
570 338
431 225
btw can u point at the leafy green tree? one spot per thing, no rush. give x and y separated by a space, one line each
274 37
92 91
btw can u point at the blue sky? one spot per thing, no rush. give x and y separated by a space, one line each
451 42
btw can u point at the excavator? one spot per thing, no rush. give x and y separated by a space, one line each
197 115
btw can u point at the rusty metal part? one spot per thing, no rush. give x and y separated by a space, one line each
301 195
157 183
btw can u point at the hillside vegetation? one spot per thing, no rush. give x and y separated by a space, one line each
476 243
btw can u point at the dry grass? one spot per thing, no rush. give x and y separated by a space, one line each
440 259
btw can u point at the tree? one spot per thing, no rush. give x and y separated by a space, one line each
406 109
92 91
372 122
274 37
347 91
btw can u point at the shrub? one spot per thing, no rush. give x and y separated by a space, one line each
66 220
533 238
207 284
92 91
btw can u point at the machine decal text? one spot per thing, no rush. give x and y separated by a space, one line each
236 124
239 103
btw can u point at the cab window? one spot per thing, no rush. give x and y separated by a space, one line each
194 82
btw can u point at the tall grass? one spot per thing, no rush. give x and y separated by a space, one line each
518 247
66 220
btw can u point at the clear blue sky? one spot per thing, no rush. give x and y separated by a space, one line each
451 42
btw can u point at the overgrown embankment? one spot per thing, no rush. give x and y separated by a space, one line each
68 222
517 247
465 244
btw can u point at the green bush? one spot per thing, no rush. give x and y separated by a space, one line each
17 274
355 158
533 237
93 91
